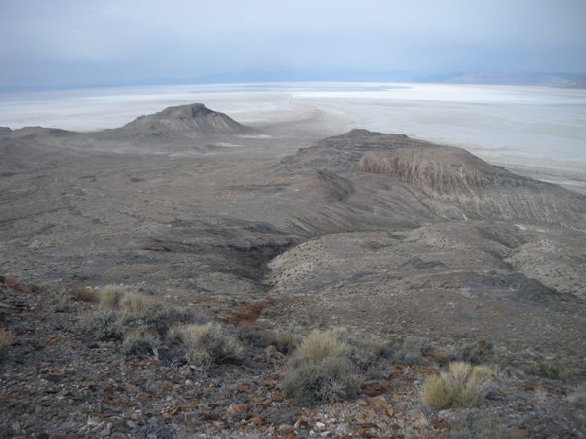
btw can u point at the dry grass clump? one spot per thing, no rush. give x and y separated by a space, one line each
320 371
84 294
13 283
321 345
207 344
116 298
6 340
111 295
460 386
134 302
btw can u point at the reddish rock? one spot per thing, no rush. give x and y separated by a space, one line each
372 388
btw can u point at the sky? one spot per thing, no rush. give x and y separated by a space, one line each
69 43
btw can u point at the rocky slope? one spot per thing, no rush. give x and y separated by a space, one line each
59 382
385 235
189 121
425 180
190 128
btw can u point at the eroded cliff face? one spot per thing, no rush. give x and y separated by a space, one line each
422 181
435 170
478 189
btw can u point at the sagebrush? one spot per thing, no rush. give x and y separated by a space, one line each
320 371
140 343
207 344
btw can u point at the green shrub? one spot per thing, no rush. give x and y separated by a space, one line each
460 386
405 349
208 344
545 370
62 305
441 357
320 371
155 318
328 381
6 340
135 312
479 352
141 344
285 342
103 324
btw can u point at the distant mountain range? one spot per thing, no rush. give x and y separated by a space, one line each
505 77
579 82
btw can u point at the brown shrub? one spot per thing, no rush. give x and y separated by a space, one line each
14 284
249 314
6 340
84 294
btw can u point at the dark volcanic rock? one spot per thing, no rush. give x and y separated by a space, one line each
515 287
418 264
342 153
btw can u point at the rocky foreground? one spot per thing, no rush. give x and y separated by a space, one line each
60 382
414 255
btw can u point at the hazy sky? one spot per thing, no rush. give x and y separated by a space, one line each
73 42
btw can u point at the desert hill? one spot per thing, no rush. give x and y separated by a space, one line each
419 180
189 121
192 128
396 239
